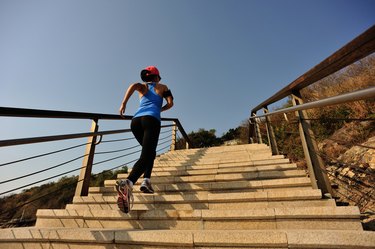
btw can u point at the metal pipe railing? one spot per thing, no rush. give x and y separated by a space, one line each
340 99
315 165
36 113
88 158
358 48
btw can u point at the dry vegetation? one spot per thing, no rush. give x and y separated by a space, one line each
345 134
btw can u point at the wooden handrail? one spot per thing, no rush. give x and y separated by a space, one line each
355 50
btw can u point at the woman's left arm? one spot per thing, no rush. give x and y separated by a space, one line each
168 105
169 98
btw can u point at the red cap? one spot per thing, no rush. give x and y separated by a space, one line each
153 70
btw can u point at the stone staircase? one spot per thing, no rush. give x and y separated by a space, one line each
220 197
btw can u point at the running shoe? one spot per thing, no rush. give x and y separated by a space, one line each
125 197
146 187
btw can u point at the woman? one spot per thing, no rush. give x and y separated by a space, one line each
145 126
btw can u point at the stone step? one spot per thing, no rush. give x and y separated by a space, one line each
111 191
223 163
221 149
221 186
221 177
201 171
337 218
85 238
233 205
167 159
207 197
226 166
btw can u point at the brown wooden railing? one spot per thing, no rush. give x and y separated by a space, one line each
360 47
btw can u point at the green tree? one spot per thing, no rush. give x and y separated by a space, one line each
203 138
232 134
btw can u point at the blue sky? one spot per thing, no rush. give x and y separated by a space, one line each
219 58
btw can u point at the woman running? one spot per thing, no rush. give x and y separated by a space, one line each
145 126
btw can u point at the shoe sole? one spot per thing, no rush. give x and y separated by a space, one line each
146 190
122 203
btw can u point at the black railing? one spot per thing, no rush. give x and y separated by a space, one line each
95 137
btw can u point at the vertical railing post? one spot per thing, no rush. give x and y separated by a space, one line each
83 184
183 133
271 134
250 131
257 129
174 136
318 172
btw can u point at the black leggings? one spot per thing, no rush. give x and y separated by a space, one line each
146 130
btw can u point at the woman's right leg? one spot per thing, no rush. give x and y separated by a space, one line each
138 132
146 130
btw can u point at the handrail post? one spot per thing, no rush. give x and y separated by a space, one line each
183 133
250 130
83 184
174 135
271 134
317 170
258 135
252 136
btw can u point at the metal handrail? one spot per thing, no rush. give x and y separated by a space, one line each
88 158
21 141
343 98
36 113
358 48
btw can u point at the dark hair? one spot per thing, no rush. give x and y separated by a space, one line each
147 77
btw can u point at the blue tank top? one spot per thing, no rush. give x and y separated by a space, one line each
150 103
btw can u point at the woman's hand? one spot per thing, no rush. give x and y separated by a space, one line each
129 92
122 110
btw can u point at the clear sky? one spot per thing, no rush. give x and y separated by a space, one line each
220 58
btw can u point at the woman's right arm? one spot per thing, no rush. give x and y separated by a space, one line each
128 94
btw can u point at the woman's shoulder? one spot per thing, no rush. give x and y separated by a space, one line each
163 87
137 84
140 87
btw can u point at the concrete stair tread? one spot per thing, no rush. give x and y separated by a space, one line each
227 177
239 169
191 238
307 194
342 218
110 191
219 164
219 185
259 213
194 238
221 159
233 205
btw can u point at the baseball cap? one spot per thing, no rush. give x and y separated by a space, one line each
148 72
152 70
